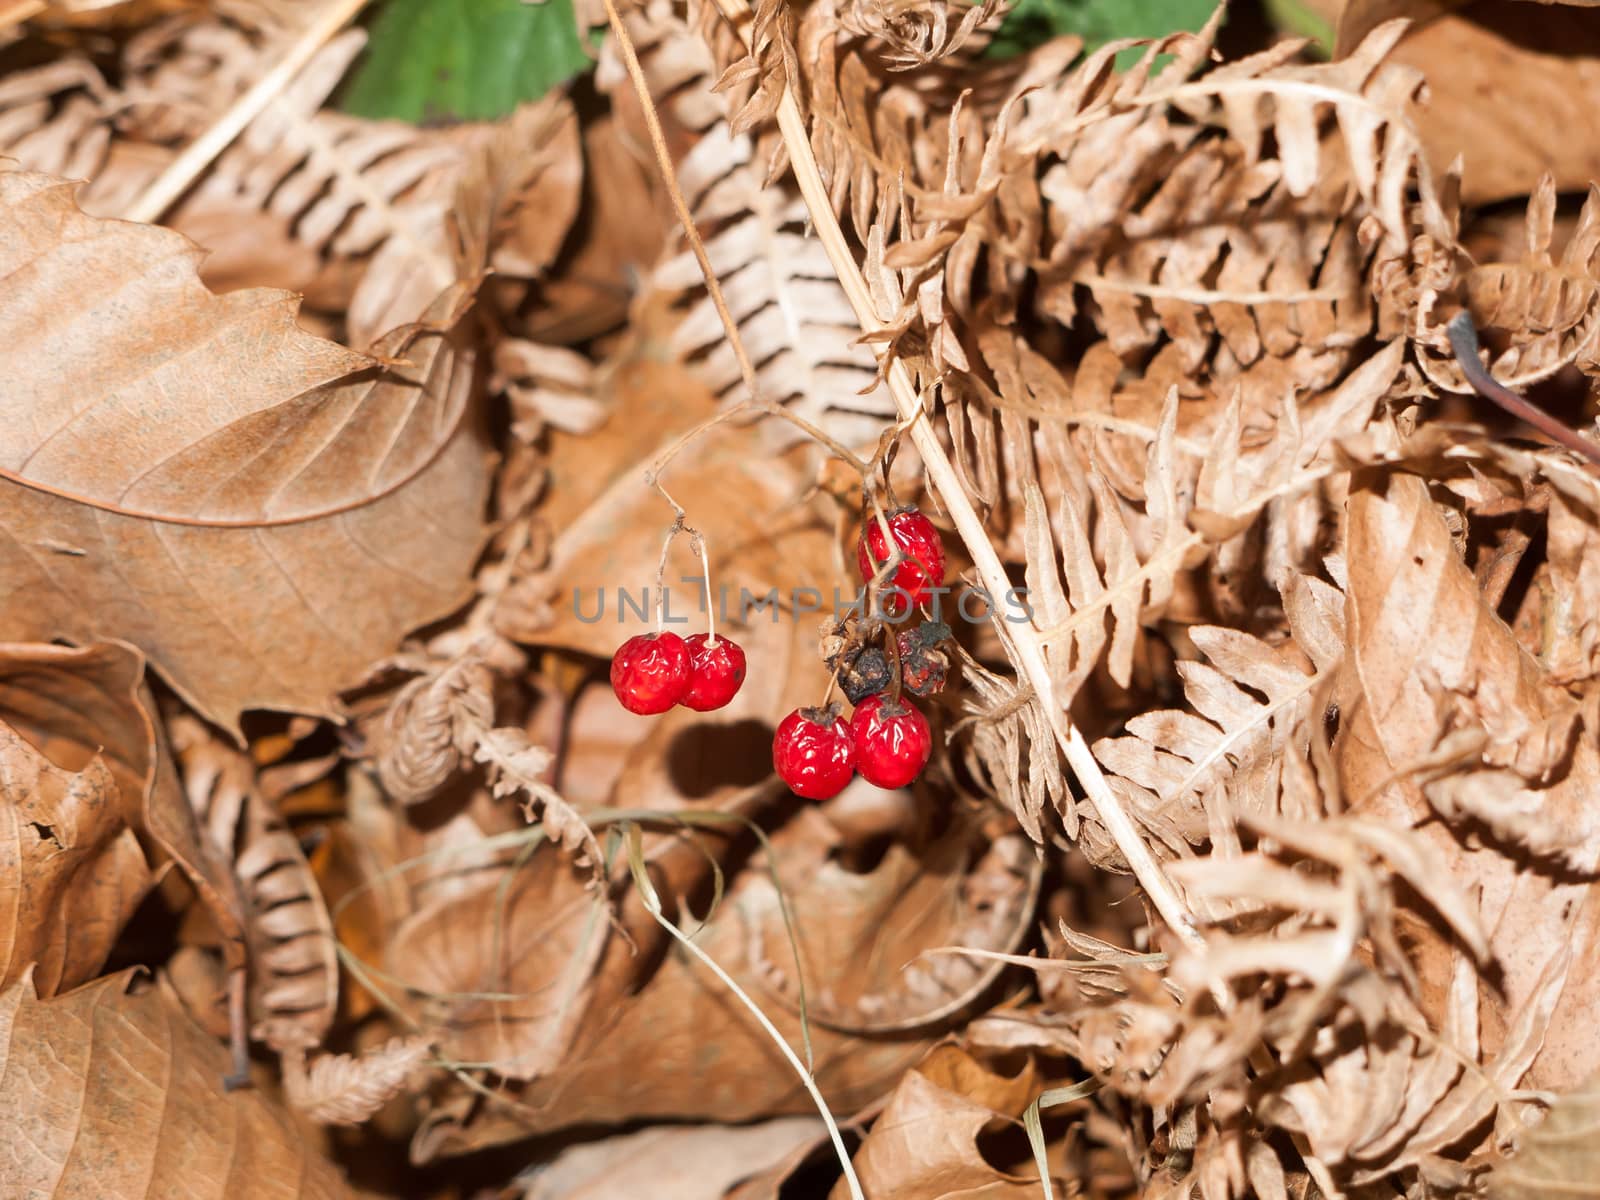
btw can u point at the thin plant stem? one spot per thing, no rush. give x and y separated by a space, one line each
698 541
165 189
652 903
1464 343
1022 640
680 206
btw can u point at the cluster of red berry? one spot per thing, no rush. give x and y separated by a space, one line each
887 739
654 671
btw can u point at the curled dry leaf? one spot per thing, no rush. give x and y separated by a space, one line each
925 1141
263 456
117 1094
71 870
79 706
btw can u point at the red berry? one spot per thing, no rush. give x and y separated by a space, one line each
892 741
650 672
921 568
716 670
812 752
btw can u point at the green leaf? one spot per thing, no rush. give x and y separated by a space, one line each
1034 22
468 60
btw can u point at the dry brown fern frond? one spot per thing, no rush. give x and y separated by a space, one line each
913 33
347 1089
796 324
1545 305
294 968
676 62
1190 774
1008 745
57 118
1100 567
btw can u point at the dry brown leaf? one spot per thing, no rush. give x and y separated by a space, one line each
1505 85
506 970
110 1094
1418 628
609 525
79 706
697 1162
647 1055
924 1144
71 871
199 475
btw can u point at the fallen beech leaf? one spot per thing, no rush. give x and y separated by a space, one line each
264 513
1506 85
80 705
681 1046
71 871
924 1145
505 971
110 1094
697 1162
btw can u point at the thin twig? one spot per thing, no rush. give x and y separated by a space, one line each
1023 640
680 206
153 203
1464 342
658 142
652 904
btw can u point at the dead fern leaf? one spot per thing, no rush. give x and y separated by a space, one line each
294 968
1547 305
347 1089
794 320
1190 774
429 727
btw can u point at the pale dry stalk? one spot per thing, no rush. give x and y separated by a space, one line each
1023 640
165 189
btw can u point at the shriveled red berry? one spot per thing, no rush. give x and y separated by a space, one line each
892 741
923 664
650 672
863 670
716 671
813 753
921 568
